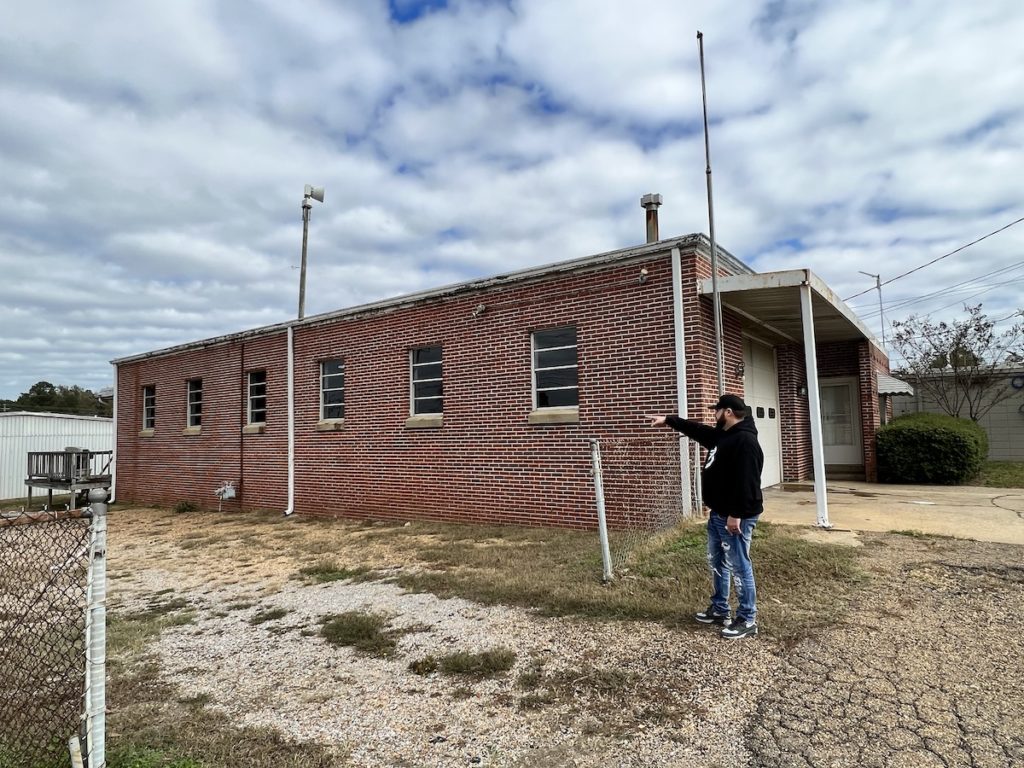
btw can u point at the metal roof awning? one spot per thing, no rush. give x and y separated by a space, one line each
890 385
771 300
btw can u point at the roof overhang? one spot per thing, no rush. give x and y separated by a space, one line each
771 301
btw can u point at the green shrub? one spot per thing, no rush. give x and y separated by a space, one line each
930 448
185 506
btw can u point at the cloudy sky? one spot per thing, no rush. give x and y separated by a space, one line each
153 155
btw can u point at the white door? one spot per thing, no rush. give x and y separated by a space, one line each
840 421
761 394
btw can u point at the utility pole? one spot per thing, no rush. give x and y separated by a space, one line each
881 312
316 193
716 297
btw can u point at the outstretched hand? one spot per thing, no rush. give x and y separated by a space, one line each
656 421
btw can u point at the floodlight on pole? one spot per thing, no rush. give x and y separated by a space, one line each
881 312
310 193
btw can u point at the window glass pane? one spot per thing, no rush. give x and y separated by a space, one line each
555 337
427 355
432 371
432 405
334 397
333 382
557 398
428 389
334 412
332 367
554 357
557 377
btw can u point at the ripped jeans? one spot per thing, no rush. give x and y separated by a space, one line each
729 555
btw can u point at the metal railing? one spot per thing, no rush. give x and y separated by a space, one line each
69 466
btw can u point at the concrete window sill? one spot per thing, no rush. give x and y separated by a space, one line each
425 421
147 432
192 431
254 429
330 425
569 415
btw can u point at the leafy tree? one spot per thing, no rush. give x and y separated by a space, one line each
964 365
47 397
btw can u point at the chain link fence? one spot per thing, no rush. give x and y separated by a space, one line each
44 566
644 488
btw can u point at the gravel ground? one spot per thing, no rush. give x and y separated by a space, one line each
924 671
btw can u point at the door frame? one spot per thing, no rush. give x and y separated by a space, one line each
858 427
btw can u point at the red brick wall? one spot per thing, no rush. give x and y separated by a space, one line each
485 464
855 359
170 467
794 412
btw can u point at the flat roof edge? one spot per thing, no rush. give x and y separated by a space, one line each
697 241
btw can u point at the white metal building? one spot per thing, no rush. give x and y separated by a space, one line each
22 432
1004 424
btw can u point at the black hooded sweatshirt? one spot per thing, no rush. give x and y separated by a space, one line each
731 478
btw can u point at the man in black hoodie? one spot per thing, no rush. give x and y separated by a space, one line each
731 485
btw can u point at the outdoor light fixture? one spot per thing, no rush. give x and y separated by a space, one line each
802 390
314 193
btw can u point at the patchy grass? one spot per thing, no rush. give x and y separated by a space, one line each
150 726
801 584
911 533
366 632
1002 474
463 663
328 570
272 614
596 695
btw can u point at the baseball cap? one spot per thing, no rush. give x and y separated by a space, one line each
730 401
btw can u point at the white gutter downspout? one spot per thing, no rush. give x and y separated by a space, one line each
113 459
291 422
814 401
681 400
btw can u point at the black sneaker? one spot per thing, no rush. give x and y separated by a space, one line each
712 615
739 628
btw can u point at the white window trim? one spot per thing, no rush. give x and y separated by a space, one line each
534 369
413 382
250 396
323 416
145 407
188 403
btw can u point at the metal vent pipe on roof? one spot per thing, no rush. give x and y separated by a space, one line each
650 204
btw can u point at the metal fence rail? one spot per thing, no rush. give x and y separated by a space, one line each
44 565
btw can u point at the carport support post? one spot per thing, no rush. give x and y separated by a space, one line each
814 401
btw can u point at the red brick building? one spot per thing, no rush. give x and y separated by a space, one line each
475 402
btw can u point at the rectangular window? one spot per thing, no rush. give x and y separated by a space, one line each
427 389
332 389
554 368
257 397
195 402
149 407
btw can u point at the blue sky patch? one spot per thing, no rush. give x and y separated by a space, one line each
408 11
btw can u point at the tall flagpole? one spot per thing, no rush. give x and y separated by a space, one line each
716 298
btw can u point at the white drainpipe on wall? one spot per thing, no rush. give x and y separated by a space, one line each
113 457
681 400
291 422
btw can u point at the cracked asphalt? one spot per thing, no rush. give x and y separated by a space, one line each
924 671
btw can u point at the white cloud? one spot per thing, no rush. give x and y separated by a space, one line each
153 156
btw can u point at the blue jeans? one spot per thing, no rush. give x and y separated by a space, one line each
729 555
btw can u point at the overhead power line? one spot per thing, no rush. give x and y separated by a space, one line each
940 258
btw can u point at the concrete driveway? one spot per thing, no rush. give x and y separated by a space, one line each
966 512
